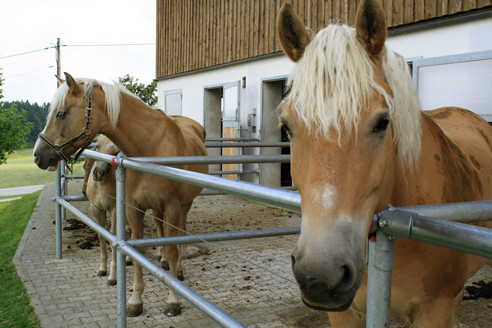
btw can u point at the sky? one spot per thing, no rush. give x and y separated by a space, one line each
31 25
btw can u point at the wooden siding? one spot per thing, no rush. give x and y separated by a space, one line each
196 34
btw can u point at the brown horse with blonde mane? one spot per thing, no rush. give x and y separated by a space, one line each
83 108
359 142
100 188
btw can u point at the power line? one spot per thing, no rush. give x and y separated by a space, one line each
25 53
81 45
108 45
29 72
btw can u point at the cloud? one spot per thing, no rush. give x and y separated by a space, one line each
31 25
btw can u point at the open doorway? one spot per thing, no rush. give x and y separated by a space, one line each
222 108
274 174
213 120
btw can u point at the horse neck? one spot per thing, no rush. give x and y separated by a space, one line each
421 184
140 129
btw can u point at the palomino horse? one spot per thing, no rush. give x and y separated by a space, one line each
100 188
89 107
359 141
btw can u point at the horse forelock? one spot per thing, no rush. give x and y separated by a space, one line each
112 99
333 81
58 101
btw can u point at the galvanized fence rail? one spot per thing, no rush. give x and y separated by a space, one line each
127 248
408 222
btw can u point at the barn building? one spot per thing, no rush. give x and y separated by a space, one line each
220 62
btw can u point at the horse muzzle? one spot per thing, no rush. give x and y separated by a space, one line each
329 270
99 172
45 158
327 288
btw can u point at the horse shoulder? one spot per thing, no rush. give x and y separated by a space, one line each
465 153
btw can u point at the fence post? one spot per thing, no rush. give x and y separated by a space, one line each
58 226
63 183
381 252
120 237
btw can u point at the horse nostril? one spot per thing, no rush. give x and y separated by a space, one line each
36 160
348 277
293 259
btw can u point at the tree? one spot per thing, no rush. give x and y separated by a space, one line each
14 127
148 93
36 114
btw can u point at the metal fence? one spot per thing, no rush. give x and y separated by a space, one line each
408 222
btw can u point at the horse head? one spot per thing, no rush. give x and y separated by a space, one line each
74 119
105 146
340 120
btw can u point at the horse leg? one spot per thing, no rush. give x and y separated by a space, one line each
158 219
128 229
182 248
135 304
348 319
172 214
112 273
440 312
100 216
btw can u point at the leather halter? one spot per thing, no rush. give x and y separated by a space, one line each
86 131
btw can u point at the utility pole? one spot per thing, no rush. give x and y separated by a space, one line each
58 64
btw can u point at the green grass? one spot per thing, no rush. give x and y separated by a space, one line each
15 307
20 171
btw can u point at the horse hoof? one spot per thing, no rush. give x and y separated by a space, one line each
180 275
134 310
165 265
112 282
172 309
101 273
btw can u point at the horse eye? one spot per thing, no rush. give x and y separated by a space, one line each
381 126
61 115
286 128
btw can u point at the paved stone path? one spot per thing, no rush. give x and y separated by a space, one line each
68 292
17 191
251 280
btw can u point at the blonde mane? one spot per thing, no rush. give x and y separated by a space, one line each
112 97
332 82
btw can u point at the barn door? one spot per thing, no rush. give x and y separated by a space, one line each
230 122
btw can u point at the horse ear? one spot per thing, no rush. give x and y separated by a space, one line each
72 85
370 26
60 80
293 35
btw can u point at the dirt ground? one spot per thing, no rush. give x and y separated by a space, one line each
259 269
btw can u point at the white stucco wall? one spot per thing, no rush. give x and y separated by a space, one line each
193 85
443 41
456 65
461 38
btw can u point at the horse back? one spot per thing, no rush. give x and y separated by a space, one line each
190 126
